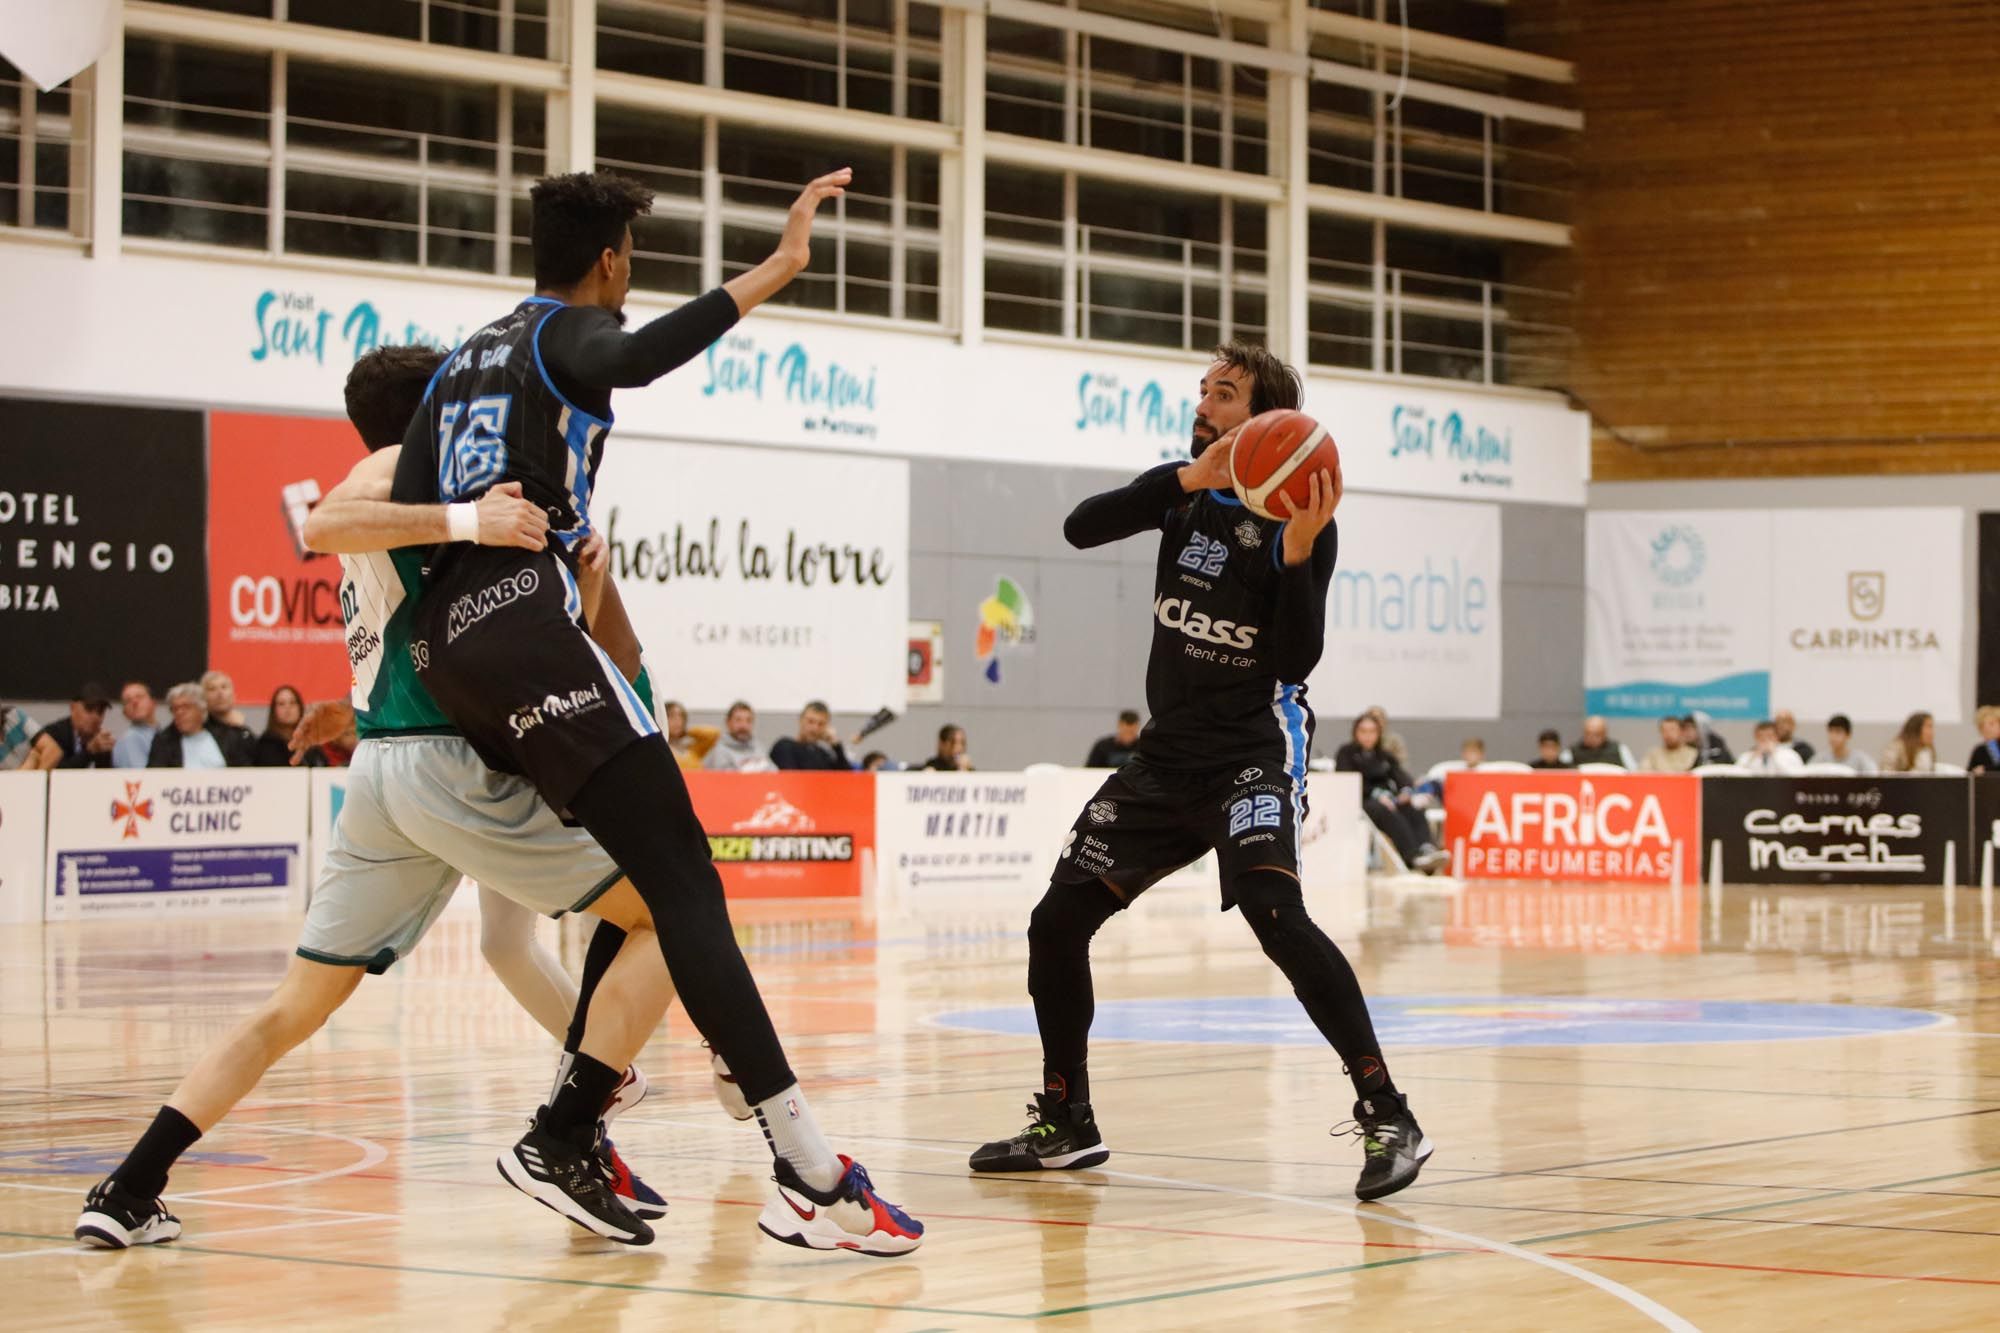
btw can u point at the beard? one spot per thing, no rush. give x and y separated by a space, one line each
1204 435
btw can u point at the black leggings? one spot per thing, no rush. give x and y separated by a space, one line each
1405 825
636 805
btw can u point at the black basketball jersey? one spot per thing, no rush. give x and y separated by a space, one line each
1235 631
493 414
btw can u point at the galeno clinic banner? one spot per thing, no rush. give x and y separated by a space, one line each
764 575
1413 616
1740 612
176 840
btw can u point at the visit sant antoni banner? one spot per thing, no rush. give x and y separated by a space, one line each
273 606
1559 824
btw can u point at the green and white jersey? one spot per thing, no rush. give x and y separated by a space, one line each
377 597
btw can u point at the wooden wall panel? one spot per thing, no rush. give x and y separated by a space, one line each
1788 232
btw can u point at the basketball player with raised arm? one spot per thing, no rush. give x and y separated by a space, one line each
500 644
419 811
1239 612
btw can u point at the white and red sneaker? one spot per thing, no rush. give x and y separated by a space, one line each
631 1090
634 1193
851 1216
726 1089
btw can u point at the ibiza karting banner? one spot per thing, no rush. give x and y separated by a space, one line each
1558 824
274 606
788 835
1900 829
163 840
101 517
762 575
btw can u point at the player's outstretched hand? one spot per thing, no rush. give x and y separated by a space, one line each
507 519
1210 472
319 724
594 556
1305 525
796 244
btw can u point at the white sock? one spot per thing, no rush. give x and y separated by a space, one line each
794 1135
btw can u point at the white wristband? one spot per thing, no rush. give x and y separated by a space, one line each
461 522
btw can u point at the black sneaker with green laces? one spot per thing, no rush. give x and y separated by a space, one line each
1394 1147
1062 1137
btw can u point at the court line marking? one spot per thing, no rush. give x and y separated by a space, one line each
372 1154
1645 1305
357 1214
1775 1268
79 1247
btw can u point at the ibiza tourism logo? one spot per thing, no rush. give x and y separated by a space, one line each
1006 620
1678 556
132 809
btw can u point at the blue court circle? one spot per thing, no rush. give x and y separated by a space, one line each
1462 1020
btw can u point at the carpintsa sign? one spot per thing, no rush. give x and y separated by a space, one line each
1559 825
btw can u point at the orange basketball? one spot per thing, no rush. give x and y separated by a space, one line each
1274 459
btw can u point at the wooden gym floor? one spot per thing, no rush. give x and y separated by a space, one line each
1654 1133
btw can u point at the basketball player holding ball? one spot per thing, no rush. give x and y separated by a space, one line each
1239 612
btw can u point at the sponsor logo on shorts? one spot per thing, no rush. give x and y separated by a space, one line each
555 708
420 654
1249 535
1095 855
1101 812
474 607
1248 775
1069 844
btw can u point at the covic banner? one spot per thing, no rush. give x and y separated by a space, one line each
1739 612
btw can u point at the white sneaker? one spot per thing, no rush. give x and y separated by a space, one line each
114 1219
726 1090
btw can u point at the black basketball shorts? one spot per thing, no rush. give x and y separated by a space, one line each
1144 823
497 642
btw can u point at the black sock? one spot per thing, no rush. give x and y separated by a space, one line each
574 1110
604 946
144 1170
1059 934
636 805
1320 974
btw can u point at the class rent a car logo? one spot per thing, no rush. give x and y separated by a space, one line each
778 832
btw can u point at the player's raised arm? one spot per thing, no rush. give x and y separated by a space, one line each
586 344
358 516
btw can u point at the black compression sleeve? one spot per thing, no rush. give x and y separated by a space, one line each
1132 509
1300 632
583 345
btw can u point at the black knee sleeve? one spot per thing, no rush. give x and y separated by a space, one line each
1274 906
1061 926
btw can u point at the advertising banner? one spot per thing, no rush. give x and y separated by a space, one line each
1557 824
788 835
1577 918
162 840
24 809
1868 614
273 338
1899 829
1739 612
1678 614
996 832
761 575
1985 825
274 607
1413 617
102 511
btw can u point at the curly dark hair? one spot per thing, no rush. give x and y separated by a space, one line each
386 387
578 217
1273 384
